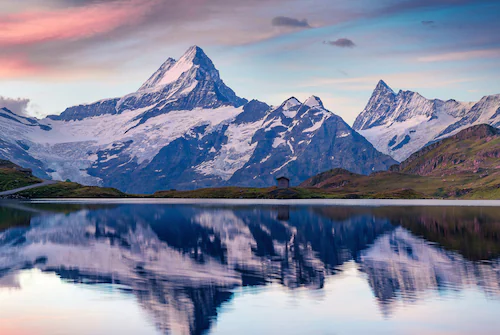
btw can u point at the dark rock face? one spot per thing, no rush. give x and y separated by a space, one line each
377 109
299 146
14 152
198 86
251 147
84 111
304 154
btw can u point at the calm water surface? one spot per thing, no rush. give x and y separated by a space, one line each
248 269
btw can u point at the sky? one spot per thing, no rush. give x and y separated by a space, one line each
58 53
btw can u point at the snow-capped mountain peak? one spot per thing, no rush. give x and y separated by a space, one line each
186 129
172 70
313 101
401 124
383 87
290 103
159 75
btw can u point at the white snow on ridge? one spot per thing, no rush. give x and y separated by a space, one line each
419 129
313 101
291 102
294 158
235 153
71 146
401 124
289 114
316 125
344 134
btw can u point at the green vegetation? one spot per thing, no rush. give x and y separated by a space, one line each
11 217
243 193
72 190
13 176
394 185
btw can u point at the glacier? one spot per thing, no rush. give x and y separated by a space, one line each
399 124
185 129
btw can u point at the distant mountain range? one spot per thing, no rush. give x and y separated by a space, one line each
399 124
185 129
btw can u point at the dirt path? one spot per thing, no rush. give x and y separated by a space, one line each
16 190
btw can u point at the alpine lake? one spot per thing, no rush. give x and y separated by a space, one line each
249 267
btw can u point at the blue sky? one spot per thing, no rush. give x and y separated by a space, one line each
66 52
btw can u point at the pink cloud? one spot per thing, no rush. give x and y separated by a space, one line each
33 27
18 66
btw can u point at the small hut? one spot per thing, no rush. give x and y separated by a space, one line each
283 182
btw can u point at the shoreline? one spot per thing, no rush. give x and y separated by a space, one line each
298 202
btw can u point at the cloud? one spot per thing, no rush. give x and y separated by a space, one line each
45 26
428 22
18 65
341 43
18 106
57 38
284 21
461 56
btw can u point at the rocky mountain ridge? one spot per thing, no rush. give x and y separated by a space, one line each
185 129
399 124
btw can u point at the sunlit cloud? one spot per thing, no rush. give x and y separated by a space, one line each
461 55
17 66
69 24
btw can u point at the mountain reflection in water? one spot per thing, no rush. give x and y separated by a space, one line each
182 263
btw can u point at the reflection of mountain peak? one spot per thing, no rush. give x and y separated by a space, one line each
402 266
181 262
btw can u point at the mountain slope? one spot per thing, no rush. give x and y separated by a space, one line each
399 124
185 129
464 165
473 150
13 176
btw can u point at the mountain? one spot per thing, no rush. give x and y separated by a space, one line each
185 129
473 150
399 124
189 83
463 165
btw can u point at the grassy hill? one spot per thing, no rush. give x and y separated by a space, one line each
72 190
13 176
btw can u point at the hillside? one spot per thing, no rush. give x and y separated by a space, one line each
473 150
466 165
13 176
71 190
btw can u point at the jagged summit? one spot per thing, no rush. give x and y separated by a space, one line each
172 70
313 101
188 83
400 124
382 86
290 103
